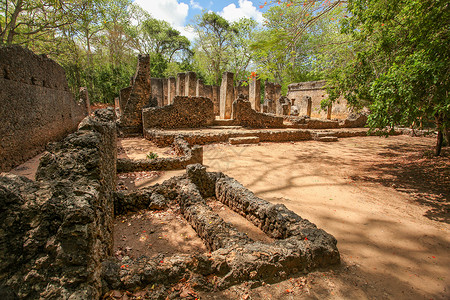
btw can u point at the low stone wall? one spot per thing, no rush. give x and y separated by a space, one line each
299 247
56 231
37 106
188 156
184 112
165 139
244 115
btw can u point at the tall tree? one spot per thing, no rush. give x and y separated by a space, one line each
401 70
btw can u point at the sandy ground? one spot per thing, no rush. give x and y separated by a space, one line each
385 200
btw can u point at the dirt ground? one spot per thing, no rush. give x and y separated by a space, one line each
386 200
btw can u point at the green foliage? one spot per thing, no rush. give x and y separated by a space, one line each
152 155
401 68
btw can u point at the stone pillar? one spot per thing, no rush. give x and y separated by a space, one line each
308 103
171 89
180 86
190 84
84 98
208 92
139 95
241 89
199 90
157 92
117 106
277 91
216 99
255 94
330 106
226 95
165 82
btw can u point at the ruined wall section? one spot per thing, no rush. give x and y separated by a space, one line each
36 105
245 116
316 90
57 231
184 112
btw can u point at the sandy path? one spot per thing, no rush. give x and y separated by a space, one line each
389 244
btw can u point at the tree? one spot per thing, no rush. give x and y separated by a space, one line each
213 44
401 68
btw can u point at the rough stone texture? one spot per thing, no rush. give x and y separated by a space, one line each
124 94
36 105
55 232
294 110
216 99
306 105
171 89
244 115
244 140
165 139
316 90
187 155
157 95
272 91
190 84
180 84
254 94
283 106
354 120
84 98
241 89
269 106
185 112
226 95
140 93
300 245
165 82
200 89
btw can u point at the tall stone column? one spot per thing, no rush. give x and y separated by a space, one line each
329 111
180 87
157 93
165 82
216 99
308 103
226 95
199 90
190 84
171 89
84 97
255 94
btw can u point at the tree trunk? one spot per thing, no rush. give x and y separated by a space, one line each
440 138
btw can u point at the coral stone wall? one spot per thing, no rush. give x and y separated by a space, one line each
245 116
184 112
36 105
55 232
316 90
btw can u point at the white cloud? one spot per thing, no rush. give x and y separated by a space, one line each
195 5
245 9
187 32
168 10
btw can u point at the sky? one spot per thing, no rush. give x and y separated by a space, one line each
181 12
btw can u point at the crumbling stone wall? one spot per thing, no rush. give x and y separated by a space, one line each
187 155
36 105
245 116
184 112
316 90
234 258
139 95
56 231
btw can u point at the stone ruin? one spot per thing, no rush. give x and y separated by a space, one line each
37 106
56 240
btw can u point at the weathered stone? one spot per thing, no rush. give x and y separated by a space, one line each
283 106
244 140
354 120
255 94
180 84
157 95
307 103
141 91
216 99
190 84
226 95
171 89
184 112
244 115
84 99
165 83
36 105
56 231
294 110
241 89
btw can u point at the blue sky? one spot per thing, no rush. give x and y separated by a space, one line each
181 12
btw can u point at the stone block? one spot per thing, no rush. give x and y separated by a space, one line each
254 95
181 84
190 84
226 95
244 140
